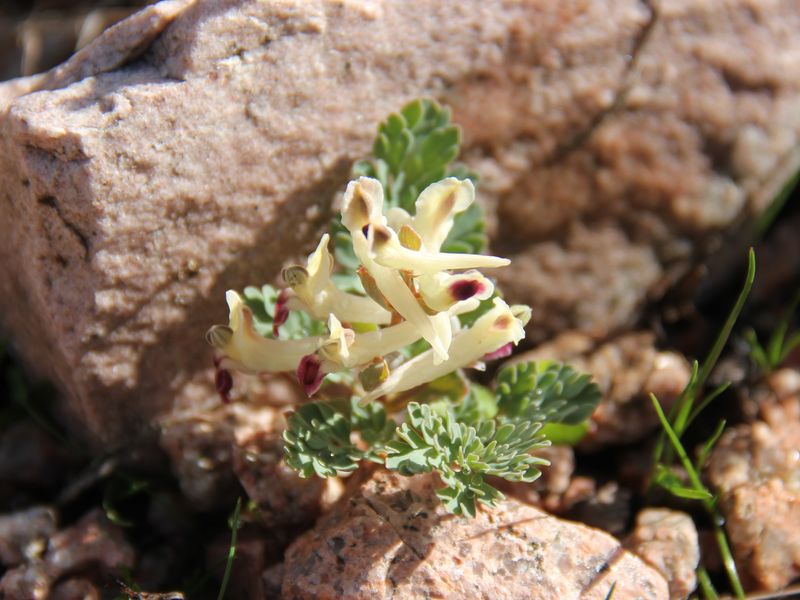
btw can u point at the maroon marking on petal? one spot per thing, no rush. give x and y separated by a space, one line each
224 384
501 352
309 374
365 230
281 312
464 289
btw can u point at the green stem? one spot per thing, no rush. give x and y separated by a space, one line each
704 581
231 550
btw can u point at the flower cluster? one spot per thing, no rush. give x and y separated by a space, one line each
413 291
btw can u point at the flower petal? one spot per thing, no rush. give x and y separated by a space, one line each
387 251
241 347
490 332
391 285
442 290
436 207
362 204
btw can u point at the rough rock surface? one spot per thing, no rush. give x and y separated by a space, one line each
667 540
196 146
626 368
24 534
214 450
392 539
756 468
53 568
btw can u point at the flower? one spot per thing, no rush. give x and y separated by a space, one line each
503 324
412 293
386 259
240 346
316 294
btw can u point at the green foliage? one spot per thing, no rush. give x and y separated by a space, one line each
234 523
317 441
779 346
683 413
478 405
468 235
318 436
696 490
374 427
546 391
262 302
464 454
413 149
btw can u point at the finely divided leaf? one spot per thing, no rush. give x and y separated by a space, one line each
546 391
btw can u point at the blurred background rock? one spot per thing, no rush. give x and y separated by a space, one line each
36 35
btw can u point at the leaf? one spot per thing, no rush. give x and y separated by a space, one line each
561 434
667 479
478 405
413 149
373 425
432 439
317 441
546 391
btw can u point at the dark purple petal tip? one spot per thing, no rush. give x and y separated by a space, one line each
310 374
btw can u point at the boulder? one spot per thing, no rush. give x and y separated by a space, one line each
391 538
667 540
197 145
756 470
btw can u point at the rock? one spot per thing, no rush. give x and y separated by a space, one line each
282 496
32 459
30 581
92 545
626 368
607 507
667 540
273 581
71 589
392 539
199 444
158 166
24 534
756 469
212 450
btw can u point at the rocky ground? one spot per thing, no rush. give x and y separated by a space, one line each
646 142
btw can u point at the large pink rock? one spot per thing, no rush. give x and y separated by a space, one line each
197 146
391 538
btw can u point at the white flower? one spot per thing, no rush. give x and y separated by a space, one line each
381 253
241 347
500 326
317 295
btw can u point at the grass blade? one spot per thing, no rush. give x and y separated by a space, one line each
231 550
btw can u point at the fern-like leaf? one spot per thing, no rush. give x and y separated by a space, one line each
546 391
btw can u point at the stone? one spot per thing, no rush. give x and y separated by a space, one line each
24 534
92 545
608 507
391 538
667 540
627 368
75 588
756 470
617 141
282 496
30 581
